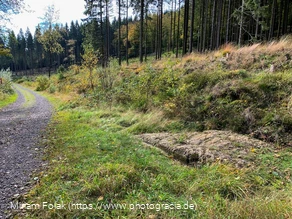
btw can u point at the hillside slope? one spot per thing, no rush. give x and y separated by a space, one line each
246 90
95 158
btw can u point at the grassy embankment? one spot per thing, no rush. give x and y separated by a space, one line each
95 159
7 99
7 95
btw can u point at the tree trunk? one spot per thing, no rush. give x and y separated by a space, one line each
219 23
170 31
50 63
213 25
127 33
228 22
101 36
119 37
177 36
280 19
285 19
241 24
186 26
201 30
272 21
204 28
192 26
160 23
141 31
108 35
257 27
145 35
174 20
157 36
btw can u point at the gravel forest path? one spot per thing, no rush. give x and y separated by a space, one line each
21 126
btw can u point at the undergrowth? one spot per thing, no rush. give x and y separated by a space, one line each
7 94
95 162
202 91
95 159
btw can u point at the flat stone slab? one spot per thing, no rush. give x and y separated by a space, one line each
199 148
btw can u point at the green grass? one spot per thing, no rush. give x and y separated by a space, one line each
94 159
8 99
252 102
28 96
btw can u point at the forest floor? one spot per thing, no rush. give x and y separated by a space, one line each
21 128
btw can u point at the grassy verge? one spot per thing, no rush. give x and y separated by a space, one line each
99 169
8 99
29 97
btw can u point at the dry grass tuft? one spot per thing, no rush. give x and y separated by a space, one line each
257 57
263 56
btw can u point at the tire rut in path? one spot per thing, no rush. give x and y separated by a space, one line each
21 126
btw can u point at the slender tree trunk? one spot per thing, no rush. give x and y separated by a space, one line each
146 25
119 37
192 26
127 33
290 21
102 37
158 29
186 26
201 29
241 24
272 21
157 36
204 28
213 25
108 37
91 79
177 35
170 31
228 22
31 59
160 24
285 18
257 27
174 21
106 34
50 63
220 5
141 31
280 19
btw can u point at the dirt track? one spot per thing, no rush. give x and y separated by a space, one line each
21 127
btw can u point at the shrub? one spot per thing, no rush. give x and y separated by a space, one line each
52 88
2 96
60 76
43 83
5 87
75 69
61 69
6 75
60 72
